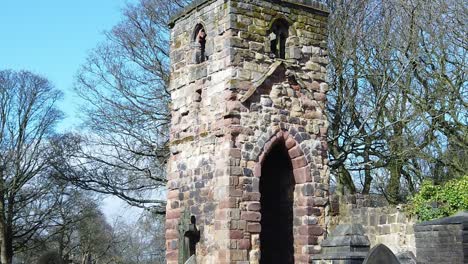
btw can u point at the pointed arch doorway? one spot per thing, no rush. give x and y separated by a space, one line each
277 197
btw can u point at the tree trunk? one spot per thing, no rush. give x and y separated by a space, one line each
367 168
3 237
393 187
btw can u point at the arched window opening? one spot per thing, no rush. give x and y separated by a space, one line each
200 43
278 34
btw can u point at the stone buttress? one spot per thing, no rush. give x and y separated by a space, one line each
248 133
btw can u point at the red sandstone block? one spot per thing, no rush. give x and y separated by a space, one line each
316 230
173 214
223 256
299 162
300 211
301 258
253 206
228 203
173 194
295 152
323 131
290 143
302 175
305 201
230 95
267 147
251 216
172 234
304 240
254 228
172 256
303 230
222 214
233 106
236 234
171 224
258 170
243 244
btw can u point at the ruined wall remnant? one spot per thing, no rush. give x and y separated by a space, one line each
383 224
248 99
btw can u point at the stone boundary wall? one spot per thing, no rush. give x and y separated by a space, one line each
382 223
442 241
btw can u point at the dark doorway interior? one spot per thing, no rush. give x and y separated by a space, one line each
277 193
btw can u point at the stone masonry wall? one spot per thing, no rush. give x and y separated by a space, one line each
443 241
199 142
228 112
383 224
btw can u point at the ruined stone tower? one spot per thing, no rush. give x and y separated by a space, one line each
248 174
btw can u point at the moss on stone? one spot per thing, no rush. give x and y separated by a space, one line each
182 140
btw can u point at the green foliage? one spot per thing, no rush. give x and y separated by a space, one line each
436 201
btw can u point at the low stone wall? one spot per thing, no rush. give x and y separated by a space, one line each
383 224
443 241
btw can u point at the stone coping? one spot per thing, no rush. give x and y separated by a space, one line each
340 256
312 4
459 218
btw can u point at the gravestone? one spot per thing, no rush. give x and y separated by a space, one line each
448 235
381 254
346 244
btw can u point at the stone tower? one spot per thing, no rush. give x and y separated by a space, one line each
248 174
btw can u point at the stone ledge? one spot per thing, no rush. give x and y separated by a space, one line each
459 218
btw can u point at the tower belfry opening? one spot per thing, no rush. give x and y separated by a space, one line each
279 33
277 196
200 43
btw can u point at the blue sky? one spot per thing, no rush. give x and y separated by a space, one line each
53 38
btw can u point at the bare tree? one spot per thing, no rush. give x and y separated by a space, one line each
123 84
398 78
142 242
27 118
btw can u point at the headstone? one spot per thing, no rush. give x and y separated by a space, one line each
347 243
381 254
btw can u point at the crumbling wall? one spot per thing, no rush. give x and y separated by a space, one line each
383 224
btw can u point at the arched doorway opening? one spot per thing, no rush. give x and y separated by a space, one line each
277 197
